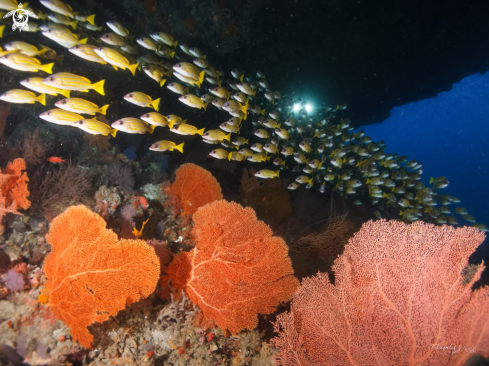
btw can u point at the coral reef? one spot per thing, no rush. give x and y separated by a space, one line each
399 297
91 274
249 269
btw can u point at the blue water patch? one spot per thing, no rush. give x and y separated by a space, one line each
163 163
130 153
449 135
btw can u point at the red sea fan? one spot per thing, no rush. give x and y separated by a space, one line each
401 296
195 187
237 269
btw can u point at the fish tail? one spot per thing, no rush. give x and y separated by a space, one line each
43 50
170 124
130 37
103 110
66 93
197 82
277 174
152 128
73 24
155 103
201 77
384 195
162 82
368 181
241 77
60 59
168 73
201 131
247 141
172 54
205 106
228 137
179 147
83 41
91 19
175 44
133 68
431 180
278 125
99 87
262 112
2 27
320 165
310 181
42 99
100 28
267 158
219 83
43 17
48 68
186 90
113 132
230 155
115 67
236 147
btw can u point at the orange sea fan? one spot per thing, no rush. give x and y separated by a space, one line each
237 269
91 274
13 189
195 187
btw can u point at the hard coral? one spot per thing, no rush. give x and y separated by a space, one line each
401 297
237 270
91 274
195 187
13 189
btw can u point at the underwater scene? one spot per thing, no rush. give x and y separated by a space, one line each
244 182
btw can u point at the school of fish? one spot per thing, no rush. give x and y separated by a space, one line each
258 125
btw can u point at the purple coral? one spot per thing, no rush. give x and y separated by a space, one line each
13 280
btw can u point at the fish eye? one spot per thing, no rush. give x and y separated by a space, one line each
63 101
49 113
80 122
146 116
77 47
51 78
129 95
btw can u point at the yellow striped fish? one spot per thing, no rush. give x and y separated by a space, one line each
59 7
78 105
21 96
165 145
173 118
220 154
90 19
154 118
63 37
62 19
69 81
193 101
189 70
8 5
95 127
116 59
216 135
37 85
186 129
118 28
188 80
156 73
220 92
142 100
148 43
25 48
177 88
19 61
60 117
164 38
86 51
133 125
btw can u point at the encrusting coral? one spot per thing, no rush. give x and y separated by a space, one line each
401 296
92 274
13 189
195 187
237 269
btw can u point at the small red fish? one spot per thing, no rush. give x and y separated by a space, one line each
56 160
143 202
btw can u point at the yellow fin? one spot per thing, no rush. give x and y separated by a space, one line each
201 131
99 87
205 106
228 137
186 90
91 19
113 132
241 77
179 147
66 93
2 27
73 24
175 44
133 68
170 124
42 99
172 54
48 68
230 155
83 41
277 174
262 112
201 77
155 103
162 82
219 83
84 91
115 67
103 109
152 128
431 180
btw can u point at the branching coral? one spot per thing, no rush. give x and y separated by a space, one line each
91 274
237 270
34 148
401 297
195 187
